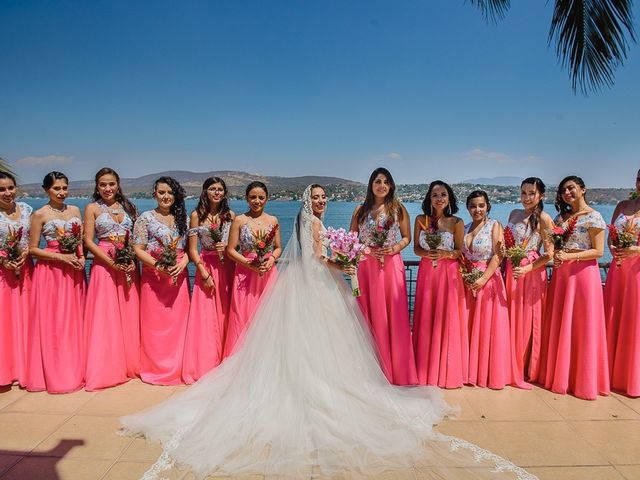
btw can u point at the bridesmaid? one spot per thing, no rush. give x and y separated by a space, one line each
212 290
621 300
489 350
440 328
164 291
382 277
527 284
55 352
251 278
573 354
15 283
111 317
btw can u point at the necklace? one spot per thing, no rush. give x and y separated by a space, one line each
59 210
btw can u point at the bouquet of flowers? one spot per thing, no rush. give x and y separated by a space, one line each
263 243
10 248
122 253
515 252
624 238
166 254
470 273
346 250
561 233
70 241
379 235
217 235
432 237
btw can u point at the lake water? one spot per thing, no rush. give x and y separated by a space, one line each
338 214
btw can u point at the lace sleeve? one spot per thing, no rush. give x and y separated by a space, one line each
140 230
595 220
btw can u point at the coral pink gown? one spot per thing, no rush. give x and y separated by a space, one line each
573 354
112 313
440 328
526 299
209 311
15 292
385 306
622 317
248 288
489 346
164 307
55 353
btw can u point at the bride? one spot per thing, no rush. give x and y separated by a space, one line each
305 395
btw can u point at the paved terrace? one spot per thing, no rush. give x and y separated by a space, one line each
557 437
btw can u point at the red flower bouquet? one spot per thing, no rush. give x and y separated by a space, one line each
123 253
10 248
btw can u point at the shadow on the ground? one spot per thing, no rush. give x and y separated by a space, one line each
40 465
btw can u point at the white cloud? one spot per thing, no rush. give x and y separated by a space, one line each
47 160
394 156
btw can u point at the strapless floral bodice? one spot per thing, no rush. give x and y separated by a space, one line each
622 222
50 228
580 239
446 241
203 232
367 228
150 231
482 244
106 226
6 225
522 231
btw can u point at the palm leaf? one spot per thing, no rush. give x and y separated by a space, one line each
591 39
492 10
4 166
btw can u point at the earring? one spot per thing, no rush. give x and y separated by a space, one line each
449 209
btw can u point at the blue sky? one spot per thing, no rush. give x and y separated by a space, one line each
333 87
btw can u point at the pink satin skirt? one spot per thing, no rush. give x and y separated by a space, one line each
385 305
15 293
208 318
440 328
573 354
622 317
112 325
164 310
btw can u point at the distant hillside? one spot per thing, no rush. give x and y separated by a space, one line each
192 182
500 181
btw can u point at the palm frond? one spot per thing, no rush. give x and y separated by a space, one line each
492 10
4 166
591 39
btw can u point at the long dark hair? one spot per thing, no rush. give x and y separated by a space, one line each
7 175
178 209
391 203
453 201
204 204
534 218
479 194
127 205
256 184
561 205
50 178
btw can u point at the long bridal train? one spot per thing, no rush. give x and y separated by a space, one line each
305 390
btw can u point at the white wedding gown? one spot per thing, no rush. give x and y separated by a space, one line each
305 390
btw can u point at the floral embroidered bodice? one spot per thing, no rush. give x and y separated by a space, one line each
369 225
522 231
246 240
580 239
446 241
204 235
106 226
150 231
24 221
622 220
50 228
482 244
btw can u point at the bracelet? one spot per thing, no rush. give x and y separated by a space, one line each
577 256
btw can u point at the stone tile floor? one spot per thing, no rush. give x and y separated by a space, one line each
557 437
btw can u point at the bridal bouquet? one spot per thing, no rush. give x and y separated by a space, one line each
515 252
70 241
623 238
470 273
166 255
122 253
346 250
263 243
432 237
561 233
217 235
10 248
379 235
